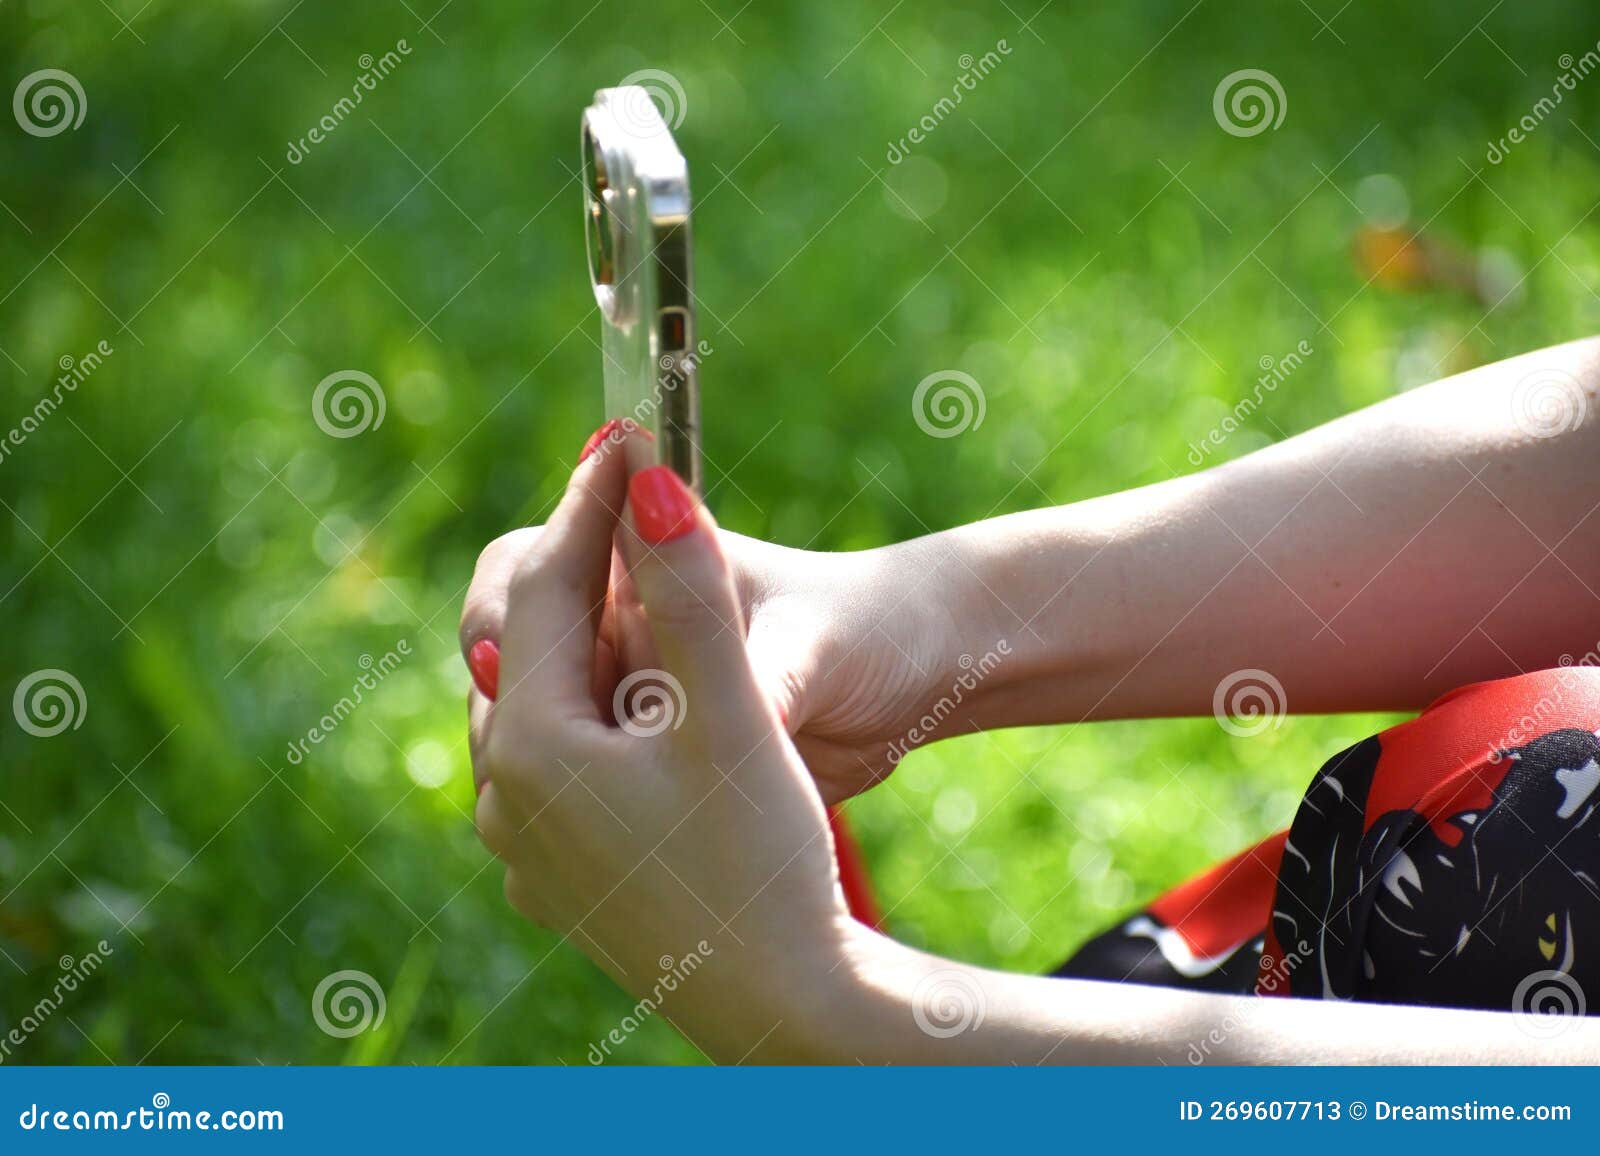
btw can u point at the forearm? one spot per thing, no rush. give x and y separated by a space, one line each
1371 563
884 1003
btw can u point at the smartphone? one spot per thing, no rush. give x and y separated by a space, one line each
636 222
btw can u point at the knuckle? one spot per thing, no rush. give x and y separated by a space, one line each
505 756
529 584
577 485
535 574
484 605
526 762
479 618
502 550
478 718
494 827
523 897
682 603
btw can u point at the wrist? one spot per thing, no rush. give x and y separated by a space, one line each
792 1006
831 1006
1079 595
940 577
1031 598
876 1001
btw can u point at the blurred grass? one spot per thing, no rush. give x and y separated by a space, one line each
212 567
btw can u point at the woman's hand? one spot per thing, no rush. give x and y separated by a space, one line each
695 833
700 836
851 650
690 858
1303 560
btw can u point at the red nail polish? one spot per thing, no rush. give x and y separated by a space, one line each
484 662
597 437
663 507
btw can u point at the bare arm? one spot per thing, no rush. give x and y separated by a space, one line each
1371 563
707 841
886 1003
1443 536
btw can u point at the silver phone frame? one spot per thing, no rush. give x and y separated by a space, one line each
638 238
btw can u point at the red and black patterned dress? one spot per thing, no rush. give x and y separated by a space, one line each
1451 860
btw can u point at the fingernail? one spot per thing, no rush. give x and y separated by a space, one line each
484 662
597 437
663 507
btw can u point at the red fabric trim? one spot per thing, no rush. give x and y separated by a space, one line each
1446 760
853 873
1221 908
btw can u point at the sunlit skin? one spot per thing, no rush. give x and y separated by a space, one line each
1371 563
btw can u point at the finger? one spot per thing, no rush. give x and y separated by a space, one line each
499 826
556 597
603 680
483 613
685 584
478 737
483 660
483 656
636 650
524 897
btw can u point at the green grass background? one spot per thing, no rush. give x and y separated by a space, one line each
212 567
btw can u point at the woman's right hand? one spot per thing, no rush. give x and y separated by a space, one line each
853 649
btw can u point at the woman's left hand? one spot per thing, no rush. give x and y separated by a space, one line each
696 829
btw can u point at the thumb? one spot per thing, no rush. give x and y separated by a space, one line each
686 587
